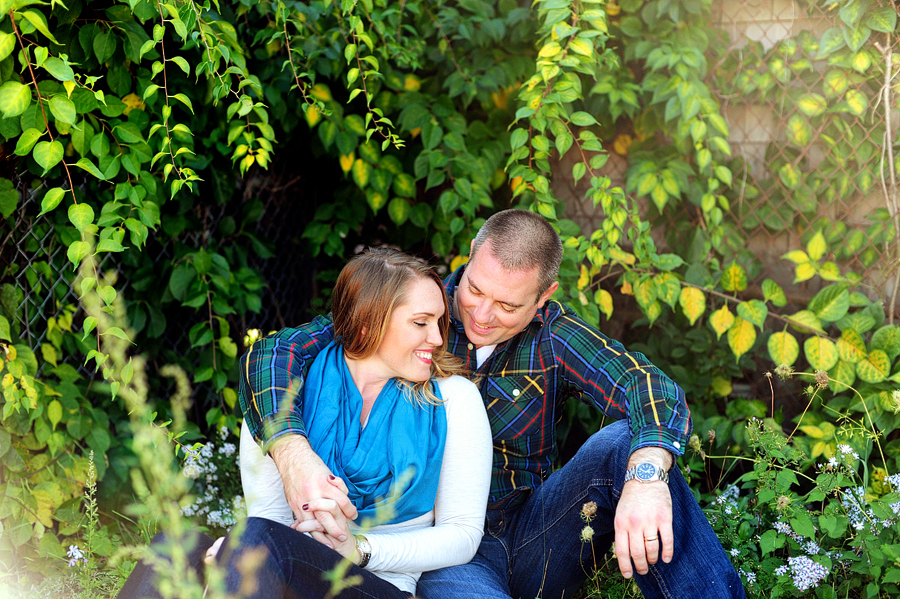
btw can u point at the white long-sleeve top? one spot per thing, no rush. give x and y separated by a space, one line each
446 536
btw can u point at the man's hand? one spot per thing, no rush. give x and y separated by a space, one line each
644 517
307 478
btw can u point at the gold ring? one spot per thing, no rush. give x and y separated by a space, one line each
646 540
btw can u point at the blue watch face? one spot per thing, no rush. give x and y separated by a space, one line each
645 471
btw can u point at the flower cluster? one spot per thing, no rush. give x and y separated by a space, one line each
806 573
76 555
217 485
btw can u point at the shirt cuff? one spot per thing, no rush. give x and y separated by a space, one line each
660 436
278 428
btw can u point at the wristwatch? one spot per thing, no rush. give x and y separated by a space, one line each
646 472
364 549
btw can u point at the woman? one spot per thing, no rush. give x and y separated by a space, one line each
413 451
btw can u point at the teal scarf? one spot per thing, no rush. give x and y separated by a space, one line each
403 442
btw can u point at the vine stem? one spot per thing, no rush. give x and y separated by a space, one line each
166 94
890 192
41 102
773 315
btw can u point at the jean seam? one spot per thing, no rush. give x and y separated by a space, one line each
506 551
661 581
574 503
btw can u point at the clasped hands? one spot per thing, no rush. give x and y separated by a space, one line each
318 499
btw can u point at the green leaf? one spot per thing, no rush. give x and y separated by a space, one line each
741 337
90 167
783 348
40 23
47 154
807 320
882 19
583 119
832 39
15 98
77 251
7 44
54 413
754 311
693 303
59 69
398 209
812 105
27 141
733 278
843 375
63 109
52 199
668 289
185 100
821 353
874 368
789 175
645 292
81 215
798 131
9 199
856 37
831 303
104 46
887 339
772 292
857 102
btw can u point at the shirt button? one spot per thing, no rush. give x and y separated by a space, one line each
471 346
515 393
676 444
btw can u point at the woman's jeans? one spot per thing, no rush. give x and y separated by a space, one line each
271 561
536 550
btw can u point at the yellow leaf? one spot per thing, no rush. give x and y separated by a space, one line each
584 279
622 143
783 348
313 116
346 162
668 289
411 83
549 50
734 278
653 311
813 431
321 92
626 289
645 292
721 386
132 102
804 272
414 133
818 449
604 301
613 9
458 261
741 336
821 353
851 347
581 46
721 320
693 303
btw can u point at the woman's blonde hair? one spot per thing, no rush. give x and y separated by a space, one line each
368 290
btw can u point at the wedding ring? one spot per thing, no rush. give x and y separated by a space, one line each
646 540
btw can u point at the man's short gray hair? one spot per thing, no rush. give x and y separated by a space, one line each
522 240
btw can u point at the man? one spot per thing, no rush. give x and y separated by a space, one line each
530 354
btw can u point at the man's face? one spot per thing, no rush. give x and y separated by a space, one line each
495 304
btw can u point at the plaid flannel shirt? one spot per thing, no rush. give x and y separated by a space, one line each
524 383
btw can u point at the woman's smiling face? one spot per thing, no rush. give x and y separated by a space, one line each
413 333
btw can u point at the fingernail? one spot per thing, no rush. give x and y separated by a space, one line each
330 477
342 538
305 507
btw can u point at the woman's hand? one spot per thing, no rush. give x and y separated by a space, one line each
213 551
327 510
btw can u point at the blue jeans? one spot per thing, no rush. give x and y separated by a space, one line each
536 550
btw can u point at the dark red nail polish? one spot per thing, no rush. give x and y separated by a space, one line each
305 506
330 477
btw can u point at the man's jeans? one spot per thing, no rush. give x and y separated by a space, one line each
536 550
